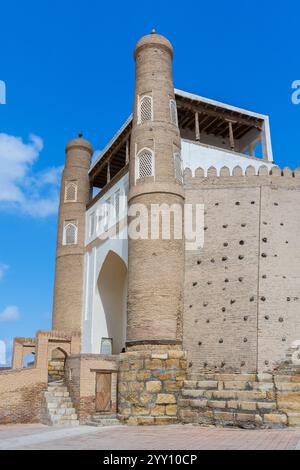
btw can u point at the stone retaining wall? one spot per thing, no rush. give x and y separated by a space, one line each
149 386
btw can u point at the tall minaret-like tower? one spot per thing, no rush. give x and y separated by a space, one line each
69 269
155 288
149 392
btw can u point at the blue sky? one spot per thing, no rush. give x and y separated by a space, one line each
68 68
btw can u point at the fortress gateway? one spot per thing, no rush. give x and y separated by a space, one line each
208 335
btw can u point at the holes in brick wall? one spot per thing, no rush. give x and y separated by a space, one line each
221 340
275 203
245 317
265 223
252 298
245 340
212 260
283 339
209 283
267 317
264 240
280 319
225 244
190 306
286 242
225 225
263 299
241 242
207 321
199 343
232 301
281 224
199 261
241 257
263 255
224 258
252 202
195 283
226 280
205 304
216 203
243 225
237 203
241 279
264 276
288 299
242 363
205 228
223 309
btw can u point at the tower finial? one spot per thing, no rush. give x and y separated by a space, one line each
80 135
153 31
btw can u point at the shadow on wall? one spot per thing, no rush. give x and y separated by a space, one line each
112 285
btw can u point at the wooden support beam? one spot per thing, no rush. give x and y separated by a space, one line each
127 151
197 129
231 136
108 172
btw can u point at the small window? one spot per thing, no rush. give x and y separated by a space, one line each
70 233
173 112
178 167
71 191
145 164
145 109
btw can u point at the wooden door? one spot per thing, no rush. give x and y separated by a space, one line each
103 391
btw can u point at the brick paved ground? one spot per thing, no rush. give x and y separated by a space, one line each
37 436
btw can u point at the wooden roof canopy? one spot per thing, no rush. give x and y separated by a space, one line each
213 119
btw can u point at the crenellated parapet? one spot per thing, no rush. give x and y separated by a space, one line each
226 176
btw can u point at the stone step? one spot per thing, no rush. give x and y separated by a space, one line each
265 407
293 419
241 395
57 389
223 377
230 418
287 386
58 418
63 411
229 385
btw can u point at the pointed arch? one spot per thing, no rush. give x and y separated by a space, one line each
112 287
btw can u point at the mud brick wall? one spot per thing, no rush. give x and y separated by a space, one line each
21 393
149 385
80 378
242 289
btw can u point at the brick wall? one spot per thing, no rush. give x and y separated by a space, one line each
21 393
242 289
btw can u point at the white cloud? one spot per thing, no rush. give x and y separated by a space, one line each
3 269
32 193
10 313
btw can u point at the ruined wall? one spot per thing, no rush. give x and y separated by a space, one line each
242 288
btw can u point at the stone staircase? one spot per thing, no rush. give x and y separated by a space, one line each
288 396
243 400
57 406
103 420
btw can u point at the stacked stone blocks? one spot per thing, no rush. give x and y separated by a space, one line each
149 386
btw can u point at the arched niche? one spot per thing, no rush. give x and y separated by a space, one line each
112 287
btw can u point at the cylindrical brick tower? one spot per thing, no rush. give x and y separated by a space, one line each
153 370
69 269
155 288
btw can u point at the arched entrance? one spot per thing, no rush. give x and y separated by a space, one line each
56 365
112 286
